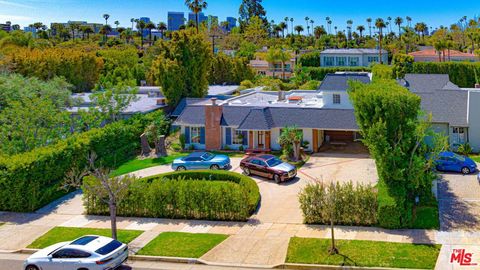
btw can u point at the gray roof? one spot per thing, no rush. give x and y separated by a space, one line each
340 81
257 119
447 106
427 83
192 115
352 51
214 90
184 103
143 104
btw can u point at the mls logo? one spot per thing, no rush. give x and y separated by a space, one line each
461 257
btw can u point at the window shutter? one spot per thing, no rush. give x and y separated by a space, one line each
202 135
187 134
228 135
245 137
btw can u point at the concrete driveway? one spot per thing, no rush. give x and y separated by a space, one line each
459 202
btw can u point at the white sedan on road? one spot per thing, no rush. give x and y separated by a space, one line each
85 253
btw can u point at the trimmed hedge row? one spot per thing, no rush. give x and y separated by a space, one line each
352 205
208 195
310 59
461 73
318 73
31 180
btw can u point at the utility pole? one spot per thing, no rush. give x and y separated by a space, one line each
213 36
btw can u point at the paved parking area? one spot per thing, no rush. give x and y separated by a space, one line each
459 202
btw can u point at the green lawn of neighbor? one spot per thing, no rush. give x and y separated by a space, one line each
63 234
476 158
138 164
177 244
362 253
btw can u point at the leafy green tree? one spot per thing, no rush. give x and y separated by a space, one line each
182 67
291 140
31 122
255 31
402 64
229 70
249 9
247 50
196 6
114 100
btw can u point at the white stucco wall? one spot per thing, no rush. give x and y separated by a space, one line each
344 100
307 136
474 120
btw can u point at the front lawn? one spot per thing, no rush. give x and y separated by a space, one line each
426 217
138 164
362 253
63 234
476 158
177 244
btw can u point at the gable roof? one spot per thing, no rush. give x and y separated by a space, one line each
183 104
353 51
427 83
339 81
257 119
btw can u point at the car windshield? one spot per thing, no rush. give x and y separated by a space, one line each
108 247
274 162
207 156
458 157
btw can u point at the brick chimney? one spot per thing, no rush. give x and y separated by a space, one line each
213 130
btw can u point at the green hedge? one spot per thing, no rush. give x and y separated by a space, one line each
310 59
318 73
31 180
389 214
353 205
461 73
208 195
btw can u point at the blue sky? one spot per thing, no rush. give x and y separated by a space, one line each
434 13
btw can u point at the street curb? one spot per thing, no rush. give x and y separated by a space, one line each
296 266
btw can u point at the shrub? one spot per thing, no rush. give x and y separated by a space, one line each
354 205
402 64
461 73
310 85
318 73
210 195
182 140
389 213
465 149
382 72
30 180
311 59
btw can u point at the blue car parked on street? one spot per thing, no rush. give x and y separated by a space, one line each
201 161
449 161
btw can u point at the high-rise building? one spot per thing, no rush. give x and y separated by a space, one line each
94 26
232 23
6 26
175 20
212 21
145 20
201 17
29 29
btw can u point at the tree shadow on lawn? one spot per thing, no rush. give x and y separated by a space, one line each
455 213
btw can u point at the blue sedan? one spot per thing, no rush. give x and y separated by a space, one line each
449 161
201 161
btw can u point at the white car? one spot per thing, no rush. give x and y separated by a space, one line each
85 253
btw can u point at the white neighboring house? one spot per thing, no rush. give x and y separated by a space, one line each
351 57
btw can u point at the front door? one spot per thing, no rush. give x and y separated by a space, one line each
261 140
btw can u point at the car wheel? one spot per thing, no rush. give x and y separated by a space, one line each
465 170
215 167
246 171
277 178
31 267
181 168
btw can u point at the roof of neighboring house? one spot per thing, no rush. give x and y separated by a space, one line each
340 81
143 103
427 83
215 90
434 53
353 51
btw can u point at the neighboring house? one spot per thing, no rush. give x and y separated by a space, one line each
455 111
262 67
351 57
254 120
431 55
149 99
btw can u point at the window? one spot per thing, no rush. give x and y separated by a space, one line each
329 60
70 253
237 137
372 59
109 248
459 135
341 61
336 99
194 135
84 240
353 61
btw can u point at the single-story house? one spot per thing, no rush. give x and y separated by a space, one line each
351 57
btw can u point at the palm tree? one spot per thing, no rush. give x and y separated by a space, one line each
283 57
141 26
106 17
286 19
327 19
162 27
399 21
73 27
349 27
196 6
369 22
283 26
117 23
272 57
132 20
150 26
307 19
128 35
312 22
299 29
105 30
360 29
88 30
420 29
319 31
291 21
409 21
389 19
380 24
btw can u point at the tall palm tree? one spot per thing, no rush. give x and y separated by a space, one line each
132 20
88 30
349 27
420 28
409 21
329 22
369 22
106 17
150 26
117 23
196 6
283 26
291 21
162 27
299 29
312 22
105 30
141 26
360 29
74 27
319 31
307 20
389 19
380 24
286 19
399 21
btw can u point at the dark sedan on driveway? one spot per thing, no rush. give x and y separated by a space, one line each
268 166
